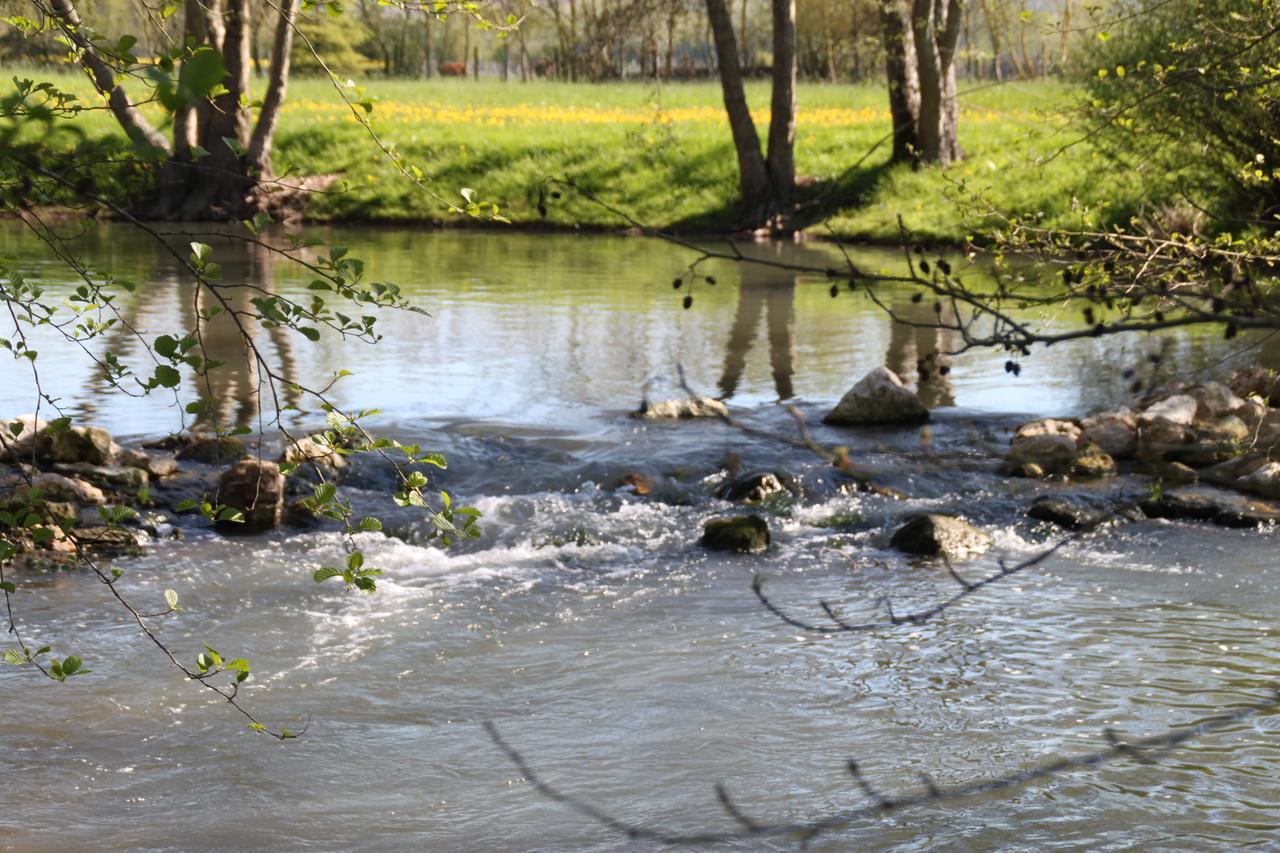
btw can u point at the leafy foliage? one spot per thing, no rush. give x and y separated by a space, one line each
1195 83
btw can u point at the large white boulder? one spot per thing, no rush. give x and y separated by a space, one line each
878 398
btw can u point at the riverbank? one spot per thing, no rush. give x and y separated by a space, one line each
662 155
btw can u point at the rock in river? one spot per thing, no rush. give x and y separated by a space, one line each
83 444
1114 432
935 535
154 465
210 449
72 489
744 534
23 438
256 489
1074 512
752 488
1047 443
1091 462
1209 504
878 398
686 407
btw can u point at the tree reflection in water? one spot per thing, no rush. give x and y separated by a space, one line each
914 352
922 352
247 271
775 288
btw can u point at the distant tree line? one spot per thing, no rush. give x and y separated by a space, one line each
601 40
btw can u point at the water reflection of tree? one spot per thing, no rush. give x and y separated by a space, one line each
915 350
761 288
233 387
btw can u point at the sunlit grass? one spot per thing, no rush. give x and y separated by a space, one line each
662 153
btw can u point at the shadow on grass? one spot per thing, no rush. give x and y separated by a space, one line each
816 202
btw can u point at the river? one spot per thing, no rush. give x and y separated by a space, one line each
629 666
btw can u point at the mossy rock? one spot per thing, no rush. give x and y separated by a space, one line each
743 534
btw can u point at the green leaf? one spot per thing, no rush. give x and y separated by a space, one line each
369 523
166 345
230 513
7 586
355 561
171 599
15 657
71 665
200 73
324 574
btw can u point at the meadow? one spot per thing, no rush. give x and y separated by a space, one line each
662 154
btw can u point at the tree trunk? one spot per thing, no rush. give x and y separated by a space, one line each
137 128
950 126
221 187
993 30
671 42
466 48
524 58
902 71
753 174
277 84
572 56
936 26
426 47
1065 25
1022 38
782 121
187 120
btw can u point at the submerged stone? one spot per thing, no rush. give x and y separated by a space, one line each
937 535
1215 505
687 407
744 534
1067 512
752 488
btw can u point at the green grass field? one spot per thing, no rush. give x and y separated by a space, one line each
662 153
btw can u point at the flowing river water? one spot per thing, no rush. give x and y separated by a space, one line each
630 667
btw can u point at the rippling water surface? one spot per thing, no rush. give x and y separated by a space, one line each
632 668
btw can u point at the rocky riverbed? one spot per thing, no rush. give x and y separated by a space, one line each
1199 452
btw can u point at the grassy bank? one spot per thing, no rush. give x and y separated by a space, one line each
663 154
